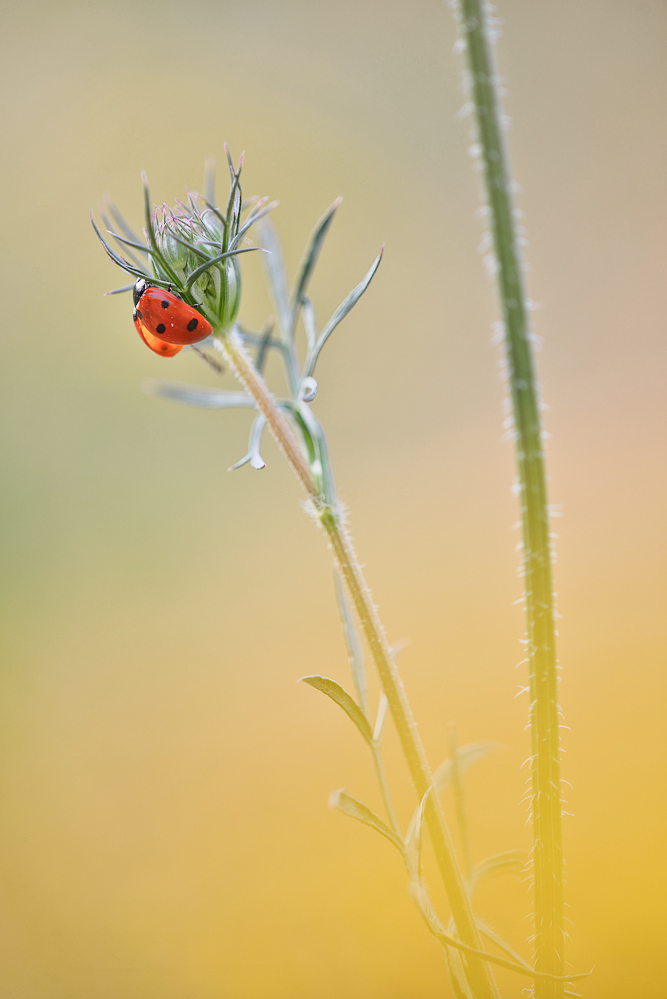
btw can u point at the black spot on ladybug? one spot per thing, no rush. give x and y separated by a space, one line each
165 305
139 315
193 324
160 328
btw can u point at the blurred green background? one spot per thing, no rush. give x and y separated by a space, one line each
164 780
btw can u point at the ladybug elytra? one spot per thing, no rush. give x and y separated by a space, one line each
164 321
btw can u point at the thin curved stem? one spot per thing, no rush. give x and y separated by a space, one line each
478 973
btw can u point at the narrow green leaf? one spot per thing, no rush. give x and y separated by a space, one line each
356 809
466 756
343 700
148 211
150 232
381 716
309 321
129 242
138 261
121 261
354 650
341 312
209 180
119 291
309 260
190 246
457 977
253 456
413 840
216 260
520 967
198 395
119 219
274 267
255 217
264 344
509 862
499 942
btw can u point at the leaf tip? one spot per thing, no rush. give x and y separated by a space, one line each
334 798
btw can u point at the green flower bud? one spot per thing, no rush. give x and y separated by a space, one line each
193 249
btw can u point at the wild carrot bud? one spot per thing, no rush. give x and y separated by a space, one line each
191 249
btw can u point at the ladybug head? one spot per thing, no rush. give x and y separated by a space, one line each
138 290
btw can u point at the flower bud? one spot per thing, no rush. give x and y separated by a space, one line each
193 248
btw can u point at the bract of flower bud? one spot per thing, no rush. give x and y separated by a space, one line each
232 290
217 289
170 234
192 249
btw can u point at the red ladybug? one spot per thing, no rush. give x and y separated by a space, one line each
164 321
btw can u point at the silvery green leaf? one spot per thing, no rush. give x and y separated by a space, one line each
356 809
509 862
308 390
343 700
466 756
274 267
150 234
209 180
499 942
321 466
216 260
457 977
340 314
309 260
309 323
119 219
189 245
264 346
129 242
253 456
139 262
398 646
380 717
413 840
198 395
121 261
252 219
119 291
353 644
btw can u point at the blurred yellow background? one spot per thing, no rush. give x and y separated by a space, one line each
164 781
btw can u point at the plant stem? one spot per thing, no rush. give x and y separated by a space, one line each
540 612
478 973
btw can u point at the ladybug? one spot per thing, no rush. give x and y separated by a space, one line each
164 321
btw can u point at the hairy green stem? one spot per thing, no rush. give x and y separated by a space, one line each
546 802
478 973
